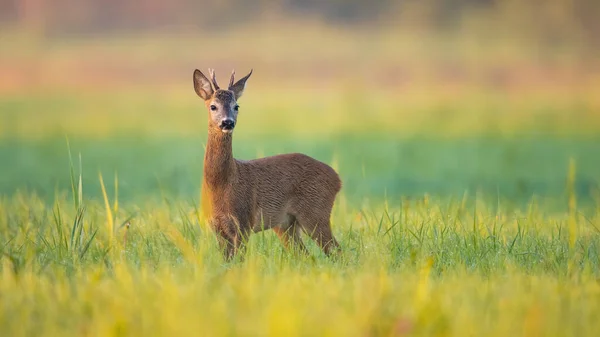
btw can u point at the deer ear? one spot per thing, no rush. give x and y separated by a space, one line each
202 85
239 86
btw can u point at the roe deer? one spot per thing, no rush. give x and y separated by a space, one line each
287 193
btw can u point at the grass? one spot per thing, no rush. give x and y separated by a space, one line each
424 267
85 262
510 150
514 170
444 233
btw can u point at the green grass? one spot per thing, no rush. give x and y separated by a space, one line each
428 267
466 217
514 170
384 145
446 264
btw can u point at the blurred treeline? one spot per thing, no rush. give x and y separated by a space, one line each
548 21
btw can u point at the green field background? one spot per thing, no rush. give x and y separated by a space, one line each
156 147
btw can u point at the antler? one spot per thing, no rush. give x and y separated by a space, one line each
231 79
213 78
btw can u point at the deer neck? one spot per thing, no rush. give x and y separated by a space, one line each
219 165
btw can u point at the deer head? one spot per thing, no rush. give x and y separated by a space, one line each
221 103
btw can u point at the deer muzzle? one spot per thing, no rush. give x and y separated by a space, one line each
227 125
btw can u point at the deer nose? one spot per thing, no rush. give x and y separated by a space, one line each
227 124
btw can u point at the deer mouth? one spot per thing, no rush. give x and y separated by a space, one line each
227 125
226 128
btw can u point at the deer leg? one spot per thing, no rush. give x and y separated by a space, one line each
226 245
232 239
320 231
290 237
240 241
325 239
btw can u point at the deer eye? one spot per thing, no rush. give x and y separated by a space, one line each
213 107
236 108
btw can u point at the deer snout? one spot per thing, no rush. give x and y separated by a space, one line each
227 125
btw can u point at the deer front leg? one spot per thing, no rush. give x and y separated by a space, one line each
231 237
226 245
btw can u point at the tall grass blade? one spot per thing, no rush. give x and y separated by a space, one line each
80 234
72 173
77 227
109 217
116 202
80 185
205 205
87 245
62 239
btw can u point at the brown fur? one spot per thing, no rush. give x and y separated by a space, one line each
287 193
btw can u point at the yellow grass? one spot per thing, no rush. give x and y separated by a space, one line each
392 279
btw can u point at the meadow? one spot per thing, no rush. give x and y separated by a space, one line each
465 211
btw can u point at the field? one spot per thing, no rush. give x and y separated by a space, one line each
466 210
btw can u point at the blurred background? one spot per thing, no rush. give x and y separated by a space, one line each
404 98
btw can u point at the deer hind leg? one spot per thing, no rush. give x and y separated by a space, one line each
289 234
319 229
324 237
